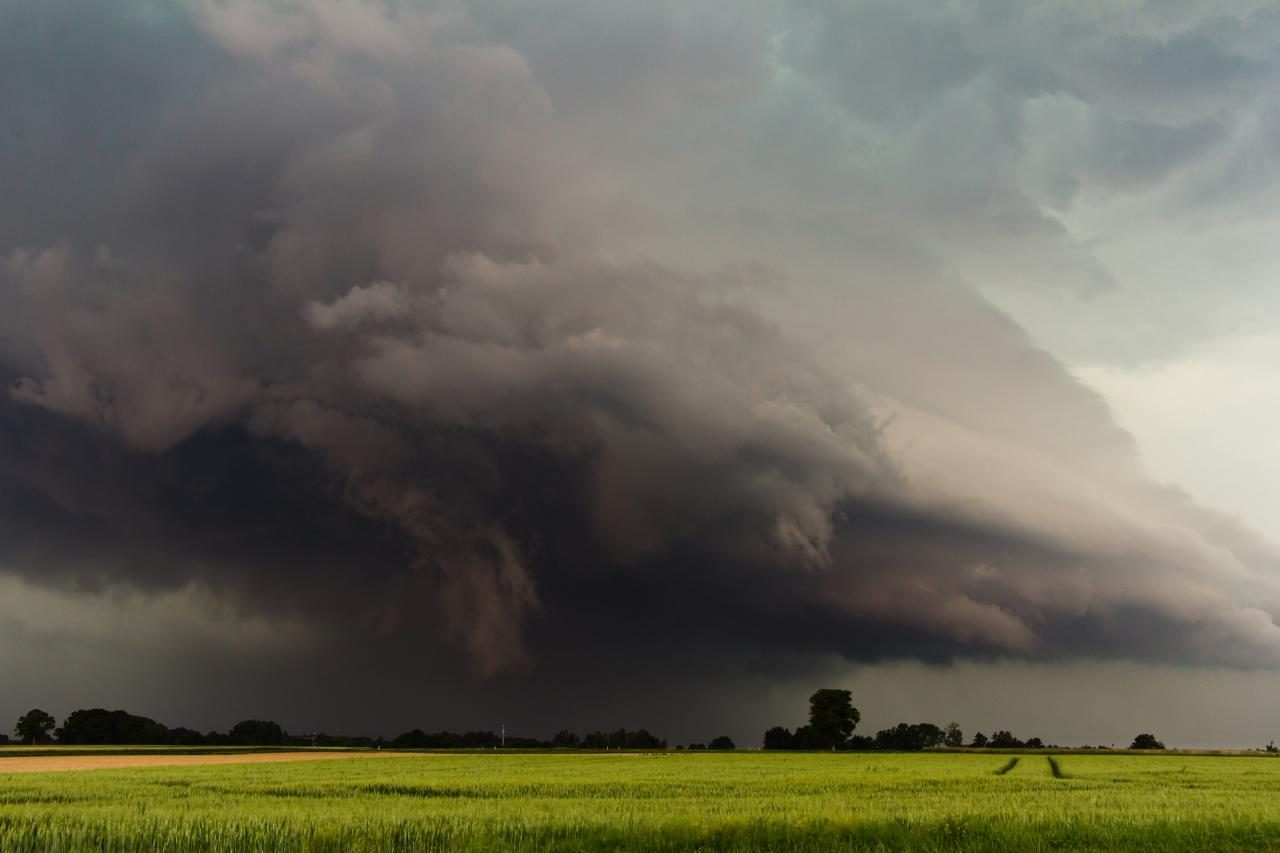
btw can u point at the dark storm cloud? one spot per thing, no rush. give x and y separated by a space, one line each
333 309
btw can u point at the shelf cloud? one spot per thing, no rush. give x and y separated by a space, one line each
499 343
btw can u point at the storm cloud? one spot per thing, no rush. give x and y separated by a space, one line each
510 345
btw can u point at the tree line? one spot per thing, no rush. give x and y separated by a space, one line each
619 739
98 726
832 720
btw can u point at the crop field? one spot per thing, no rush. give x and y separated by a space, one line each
657 801
75 759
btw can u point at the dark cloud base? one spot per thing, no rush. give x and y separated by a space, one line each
382 318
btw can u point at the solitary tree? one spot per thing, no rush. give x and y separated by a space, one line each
953 736
1146 741
722 742
832 717
34 725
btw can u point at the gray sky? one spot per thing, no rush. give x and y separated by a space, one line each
658 363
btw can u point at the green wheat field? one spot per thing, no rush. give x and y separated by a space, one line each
657 801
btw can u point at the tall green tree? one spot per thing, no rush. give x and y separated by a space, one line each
35 725
832 717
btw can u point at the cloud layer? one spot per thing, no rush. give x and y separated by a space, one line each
455 334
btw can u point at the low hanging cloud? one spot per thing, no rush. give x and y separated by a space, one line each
374 315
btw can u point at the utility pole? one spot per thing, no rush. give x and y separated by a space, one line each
504 735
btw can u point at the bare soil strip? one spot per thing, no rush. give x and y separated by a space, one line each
46 763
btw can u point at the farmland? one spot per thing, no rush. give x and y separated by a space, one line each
655 801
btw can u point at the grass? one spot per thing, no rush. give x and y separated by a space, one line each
659 801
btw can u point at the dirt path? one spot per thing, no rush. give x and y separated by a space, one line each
45 763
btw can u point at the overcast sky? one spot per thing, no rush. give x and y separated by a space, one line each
373 365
